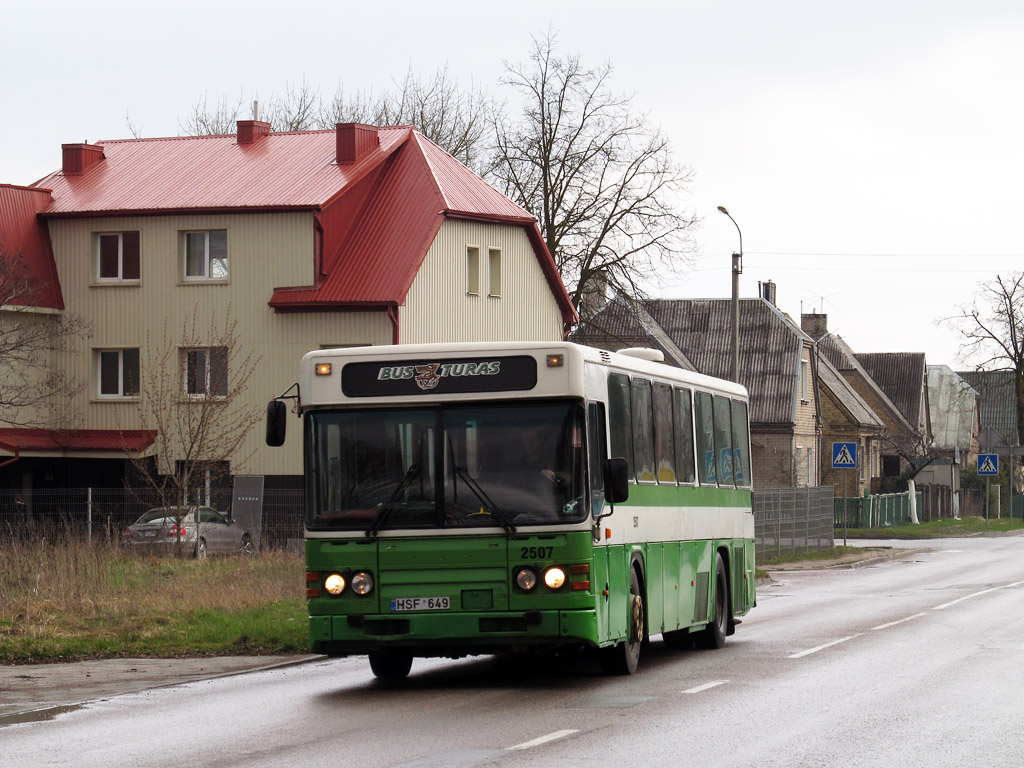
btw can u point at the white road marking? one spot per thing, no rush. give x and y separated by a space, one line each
975 594
706 686
543 739
809 651
900 621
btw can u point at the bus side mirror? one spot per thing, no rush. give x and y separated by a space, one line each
616 481
277 420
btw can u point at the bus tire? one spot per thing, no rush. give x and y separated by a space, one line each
390 665
713 636
622 658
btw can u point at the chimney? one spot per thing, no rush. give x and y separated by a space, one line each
249 131
814 325
766 291
355 141
78 157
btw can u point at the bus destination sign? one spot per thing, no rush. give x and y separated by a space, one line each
451 376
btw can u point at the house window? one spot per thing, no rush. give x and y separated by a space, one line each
805 378
118 373
117 256
494 271
472 270
206 255
206 372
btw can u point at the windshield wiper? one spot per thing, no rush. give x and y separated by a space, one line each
481 494
388 506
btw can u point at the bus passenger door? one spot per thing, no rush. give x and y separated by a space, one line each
597 451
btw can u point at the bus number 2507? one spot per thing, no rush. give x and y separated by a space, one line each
536 553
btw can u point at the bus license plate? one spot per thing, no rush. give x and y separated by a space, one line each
420 603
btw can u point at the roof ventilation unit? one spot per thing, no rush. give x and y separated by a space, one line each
644 353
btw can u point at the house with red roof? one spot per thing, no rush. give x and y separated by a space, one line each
353 236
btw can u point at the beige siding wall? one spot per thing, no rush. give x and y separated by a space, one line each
264 251
805 431
438 307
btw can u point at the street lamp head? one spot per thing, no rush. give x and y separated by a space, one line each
723 209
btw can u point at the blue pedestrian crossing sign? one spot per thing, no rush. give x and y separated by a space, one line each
844 455
988 464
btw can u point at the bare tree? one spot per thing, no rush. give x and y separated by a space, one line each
992 330
218 120
192 393
453 117
35 389
598 176
297 109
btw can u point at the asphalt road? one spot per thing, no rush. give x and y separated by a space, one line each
915 661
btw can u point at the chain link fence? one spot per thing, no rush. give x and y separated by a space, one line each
102 514
791 521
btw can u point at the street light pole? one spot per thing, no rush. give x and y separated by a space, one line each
737 270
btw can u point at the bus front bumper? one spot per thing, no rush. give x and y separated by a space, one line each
451 634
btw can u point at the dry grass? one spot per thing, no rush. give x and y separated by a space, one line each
62 598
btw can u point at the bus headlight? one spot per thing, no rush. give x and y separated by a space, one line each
335 584
362 583
554 577
526 579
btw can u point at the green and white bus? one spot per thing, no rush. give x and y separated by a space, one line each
519 497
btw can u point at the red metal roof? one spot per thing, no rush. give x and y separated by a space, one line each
377 232
420 186
279 171
16 440
24 237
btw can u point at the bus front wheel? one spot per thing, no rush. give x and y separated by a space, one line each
622 659
713 636
390 665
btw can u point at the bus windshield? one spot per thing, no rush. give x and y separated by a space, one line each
480 465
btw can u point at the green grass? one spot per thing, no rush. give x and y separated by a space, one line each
937 529
822 554
67 600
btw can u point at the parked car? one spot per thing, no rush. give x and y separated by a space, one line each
173 529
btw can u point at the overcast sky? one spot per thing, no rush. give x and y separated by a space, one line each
871 152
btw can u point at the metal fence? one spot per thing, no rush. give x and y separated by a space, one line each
101 514
789 521
882 510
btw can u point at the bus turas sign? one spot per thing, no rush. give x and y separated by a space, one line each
450 376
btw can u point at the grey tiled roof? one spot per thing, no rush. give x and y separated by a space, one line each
901 376
844 392
998 403
839 353
769 344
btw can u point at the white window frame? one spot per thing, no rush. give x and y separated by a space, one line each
98 258
121 394
494 272
473 270
203 353
208 268
805 378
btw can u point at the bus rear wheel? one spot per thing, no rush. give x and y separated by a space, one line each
390 665
622 659
713 636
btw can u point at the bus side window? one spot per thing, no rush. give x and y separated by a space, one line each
643 431
598 452
684 435
723 440
619 423
707 465
740 444
664 449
